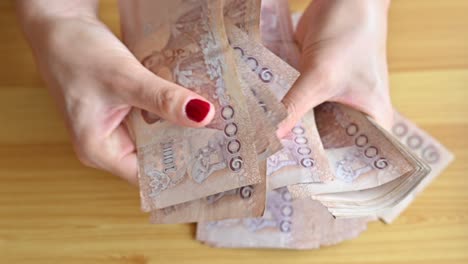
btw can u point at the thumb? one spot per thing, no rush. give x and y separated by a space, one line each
168 100
308 91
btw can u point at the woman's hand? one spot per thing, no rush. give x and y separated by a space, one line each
96 81
343 59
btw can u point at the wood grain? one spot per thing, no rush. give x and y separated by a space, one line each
53 210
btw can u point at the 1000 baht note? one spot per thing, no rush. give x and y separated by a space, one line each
185 42
271 70
277 30
246 201
425 146
302 159
245 15
293 223
360 153
242 22
373 201
242 28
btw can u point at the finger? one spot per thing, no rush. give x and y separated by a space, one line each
381 112
316 12
114 153
119 155
168 100
308 91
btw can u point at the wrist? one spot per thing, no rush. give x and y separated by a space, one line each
36 16
361 8
368 15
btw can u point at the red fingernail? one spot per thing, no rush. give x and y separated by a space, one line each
197 110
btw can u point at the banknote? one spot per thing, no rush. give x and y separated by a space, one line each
245 15
371 202
254 60
185 42
266 141
283 164
301 160
277 30
425 146
361 155
247 201
275 73
263 106
242 21
300 223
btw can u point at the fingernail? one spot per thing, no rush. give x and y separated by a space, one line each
197 110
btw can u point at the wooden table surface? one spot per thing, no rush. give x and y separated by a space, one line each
54 210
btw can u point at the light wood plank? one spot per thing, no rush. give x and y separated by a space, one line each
423 34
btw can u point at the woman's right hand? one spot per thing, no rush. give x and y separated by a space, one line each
343 59
95 81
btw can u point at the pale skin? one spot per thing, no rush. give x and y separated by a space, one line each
343 59
95 80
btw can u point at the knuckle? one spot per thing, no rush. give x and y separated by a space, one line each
291 108
84 160
163 98
369 80
380 98
375 82
84 149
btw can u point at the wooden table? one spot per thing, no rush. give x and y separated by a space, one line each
54 210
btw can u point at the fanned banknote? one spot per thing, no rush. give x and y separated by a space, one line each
247 201
242 18
244 14
425 146
185 42
288 223
266 141
335 160
245 35
261 101
360 153
292 223
376 201
278 32
259 83
271 70
302 160
213 207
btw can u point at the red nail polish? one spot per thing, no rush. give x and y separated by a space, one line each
197 110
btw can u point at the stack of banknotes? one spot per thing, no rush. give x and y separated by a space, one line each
321 184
